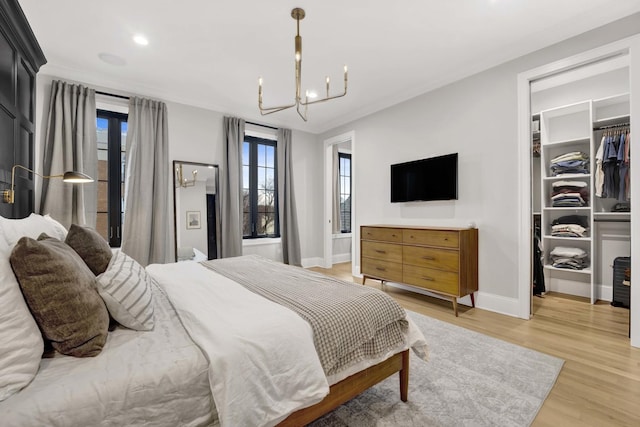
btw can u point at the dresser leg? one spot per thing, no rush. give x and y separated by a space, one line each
455 305
364 279
473 300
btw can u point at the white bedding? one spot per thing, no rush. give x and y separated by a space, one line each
263 361
154 378
264 365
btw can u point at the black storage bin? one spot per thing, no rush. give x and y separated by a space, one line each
621 292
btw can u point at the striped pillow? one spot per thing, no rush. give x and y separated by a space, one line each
125 288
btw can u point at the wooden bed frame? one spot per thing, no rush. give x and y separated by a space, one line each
352 386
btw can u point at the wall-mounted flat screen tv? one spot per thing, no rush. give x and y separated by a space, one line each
435 178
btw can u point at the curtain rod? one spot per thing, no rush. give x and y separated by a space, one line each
258 124
111 94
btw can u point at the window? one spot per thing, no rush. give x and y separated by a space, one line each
259 185
112 137
344 168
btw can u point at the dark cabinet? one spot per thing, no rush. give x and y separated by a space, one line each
20 60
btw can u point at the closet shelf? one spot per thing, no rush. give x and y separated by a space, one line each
571 176
569 208
610 121
584 139
616 216
567 110
575 239
567 270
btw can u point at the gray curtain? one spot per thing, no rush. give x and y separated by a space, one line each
335 221
70 144
148 223
230 194
286 201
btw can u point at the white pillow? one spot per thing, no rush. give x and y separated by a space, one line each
21 341
125 288
11 230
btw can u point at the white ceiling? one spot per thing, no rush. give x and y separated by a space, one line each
210 53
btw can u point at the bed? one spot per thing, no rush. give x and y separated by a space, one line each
219 353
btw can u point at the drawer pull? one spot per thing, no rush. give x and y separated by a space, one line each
393 235
381 251
429 258
381 269
430 279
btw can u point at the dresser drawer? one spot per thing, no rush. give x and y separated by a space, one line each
391 271
441 238
440 259
381 234
385 251
434 280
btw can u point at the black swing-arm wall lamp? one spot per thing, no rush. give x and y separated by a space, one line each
69 176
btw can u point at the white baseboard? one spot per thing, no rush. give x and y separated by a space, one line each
604 292
337 259
312 262
498 304
484 301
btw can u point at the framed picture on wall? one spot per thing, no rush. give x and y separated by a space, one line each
193 219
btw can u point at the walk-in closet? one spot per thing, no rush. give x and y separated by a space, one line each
580 181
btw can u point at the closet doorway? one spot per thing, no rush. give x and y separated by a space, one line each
571 108
339 206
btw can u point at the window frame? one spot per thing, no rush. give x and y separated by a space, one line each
346 156
114 173
254 142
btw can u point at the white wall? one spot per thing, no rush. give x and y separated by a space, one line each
476 117
195 135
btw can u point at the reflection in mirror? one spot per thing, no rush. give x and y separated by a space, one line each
196 211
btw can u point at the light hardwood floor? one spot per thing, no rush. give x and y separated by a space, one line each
599 384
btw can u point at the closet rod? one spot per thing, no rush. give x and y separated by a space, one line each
612 126
111 94
258 124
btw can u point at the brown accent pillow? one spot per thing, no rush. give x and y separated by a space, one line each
91 246
60 291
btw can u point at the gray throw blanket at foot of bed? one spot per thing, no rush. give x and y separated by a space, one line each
350 322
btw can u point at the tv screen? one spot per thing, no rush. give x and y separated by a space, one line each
435 178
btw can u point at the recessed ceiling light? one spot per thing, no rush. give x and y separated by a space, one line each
140 39
112 59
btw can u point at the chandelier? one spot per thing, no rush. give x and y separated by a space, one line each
298 14
181 181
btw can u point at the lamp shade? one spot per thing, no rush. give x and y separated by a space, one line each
77 177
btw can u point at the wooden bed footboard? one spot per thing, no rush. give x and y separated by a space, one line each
352 386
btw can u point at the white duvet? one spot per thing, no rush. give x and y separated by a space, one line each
263 363
154 379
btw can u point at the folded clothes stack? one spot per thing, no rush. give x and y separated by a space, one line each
570 194
570 226
568 230
569 258
575 162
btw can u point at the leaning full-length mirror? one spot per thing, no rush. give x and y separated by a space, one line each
196 210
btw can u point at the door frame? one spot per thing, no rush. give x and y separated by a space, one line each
629 46
328 198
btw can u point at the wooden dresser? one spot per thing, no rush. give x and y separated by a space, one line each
443 260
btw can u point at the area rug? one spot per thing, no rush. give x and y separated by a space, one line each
470 380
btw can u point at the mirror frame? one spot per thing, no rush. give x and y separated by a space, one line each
175 164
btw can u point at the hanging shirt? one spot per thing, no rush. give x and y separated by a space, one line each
599 171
